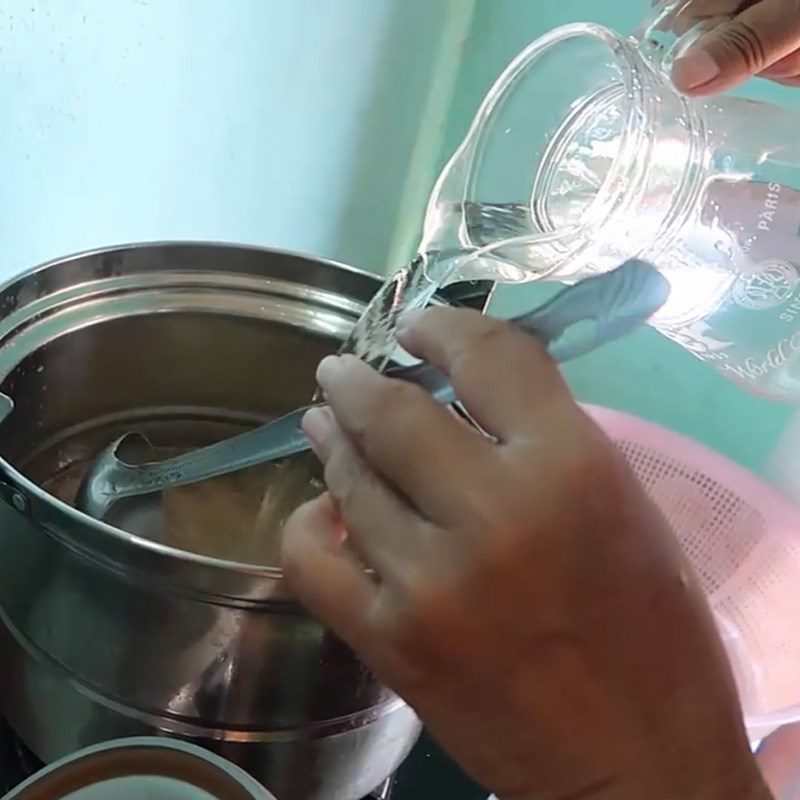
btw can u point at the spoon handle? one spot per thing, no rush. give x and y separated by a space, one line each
617 302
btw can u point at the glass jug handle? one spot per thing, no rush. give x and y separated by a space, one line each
669 32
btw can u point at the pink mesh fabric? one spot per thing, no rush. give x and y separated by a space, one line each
743 539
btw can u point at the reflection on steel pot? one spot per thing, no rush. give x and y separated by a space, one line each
106 634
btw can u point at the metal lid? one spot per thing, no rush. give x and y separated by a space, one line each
130 769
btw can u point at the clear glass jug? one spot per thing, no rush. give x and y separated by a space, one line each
583 154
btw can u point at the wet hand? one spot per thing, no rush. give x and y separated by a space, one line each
524 595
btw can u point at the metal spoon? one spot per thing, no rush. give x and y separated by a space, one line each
618 302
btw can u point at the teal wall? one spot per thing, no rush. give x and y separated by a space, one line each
290 123
646 374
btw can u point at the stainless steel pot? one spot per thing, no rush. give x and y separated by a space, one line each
107 635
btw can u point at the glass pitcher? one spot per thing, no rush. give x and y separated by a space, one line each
583 154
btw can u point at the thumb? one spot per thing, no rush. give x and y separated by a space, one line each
738 48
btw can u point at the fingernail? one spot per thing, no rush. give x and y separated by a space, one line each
328 370
695 69
408 319
317 426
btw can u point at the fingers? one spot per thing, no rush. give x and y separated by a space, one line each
501 375
410 441
326 578
384 530
389 449
739 47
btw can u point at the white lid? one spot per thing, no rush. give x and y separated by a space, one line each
130 769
